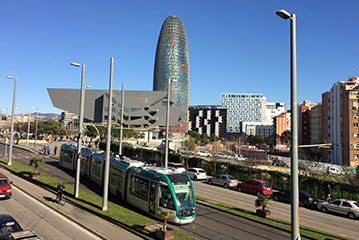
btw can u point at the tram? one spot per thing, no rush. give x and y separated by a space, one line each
148 188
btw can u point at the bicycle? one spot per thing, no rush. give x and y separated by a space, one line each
60 198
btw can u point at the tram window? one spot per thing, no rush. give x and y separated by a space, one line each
66 156
166 199
139 187
96 168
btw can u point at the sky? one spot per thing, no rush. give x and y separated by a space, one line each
235 46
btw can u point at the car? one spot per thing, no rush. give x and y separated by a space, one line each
8 225
221 155
149 148
203 153
177 167
279 163
255 186
185 151
153 162
197 173
333 170
5 187
305 199
225 180
239 157
346 207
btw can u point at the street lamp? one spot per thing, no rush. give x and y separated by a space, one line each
122 109
28 128
81 119
294 128
12 119
168 116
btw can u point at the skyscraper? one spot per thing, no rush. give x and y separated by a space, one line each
172 62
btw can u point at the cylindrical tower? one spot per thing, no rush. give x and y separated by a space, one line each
172 62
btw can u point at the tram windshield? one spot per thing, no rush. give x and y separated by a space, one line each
184 196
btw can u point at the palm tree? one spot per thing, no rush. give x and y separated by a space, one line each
36 162
165 214
262 202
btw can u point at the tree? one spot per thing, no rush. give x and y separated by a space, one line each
36 162
286 138
262 201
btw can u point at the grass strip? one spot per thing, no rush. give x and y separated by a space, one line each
115 213
273 222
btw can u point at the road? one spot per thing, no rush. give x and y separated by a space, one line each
314 219
48 224
335 224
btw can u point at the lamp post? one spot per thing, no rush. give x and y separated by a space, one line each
122 109
37 123
294 127
6 139
28 129
108 142
168 116
12 119
81 119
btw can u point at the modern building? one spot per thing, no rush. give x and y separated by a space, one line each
208 119
304 114
273 109
281 123
69 120
242 107
316 130
144 110
172 62
340 121
257 128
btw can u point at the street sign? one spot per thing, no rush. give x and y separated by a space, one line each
98 135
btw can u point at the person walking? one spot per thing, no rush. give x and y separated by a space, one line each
55 150
329 193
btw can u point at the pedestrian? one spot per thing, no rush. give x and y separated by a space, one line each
48 150
329 193
55 150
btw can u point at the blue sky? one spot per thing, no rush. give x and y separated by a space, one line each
235 46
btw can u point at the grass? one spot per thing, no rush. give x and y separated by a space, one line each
117 214
273 222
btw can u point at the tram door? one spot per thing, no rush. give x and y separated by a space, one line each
152 197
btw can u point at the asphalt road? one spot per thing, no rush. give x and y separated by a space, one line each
208 221
35 216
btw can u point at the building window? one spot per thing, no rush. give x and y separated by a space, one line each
356 156
355 114
356 125
356 135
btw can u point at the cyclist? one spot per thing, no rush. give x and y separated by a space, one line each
60 189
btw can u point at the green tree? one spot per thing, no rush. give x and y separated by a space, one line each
36 162
286 138
262 201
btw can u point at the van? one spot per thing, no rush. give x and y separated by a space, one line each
5 187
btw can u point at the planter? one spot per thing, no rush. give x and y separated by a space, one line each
263 214
169 234
35 175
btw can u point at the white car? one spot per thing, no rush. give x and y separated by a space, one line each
240 157
203 153
221 155
177 167
346 207
197 174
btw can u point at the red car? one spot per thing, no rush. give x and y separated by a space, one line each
5 187
255 186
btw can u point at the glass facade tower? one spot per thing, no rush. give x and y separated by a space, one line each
172 62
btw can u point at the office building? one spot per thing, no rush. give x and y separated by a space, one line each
172 62
208 119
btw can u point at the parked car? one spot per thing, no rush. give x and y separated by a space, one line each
346 207
239 157
153 162
333 170
197 174
8 225
5 187
185 151
305 199
255 186
279 163
149 148
203 153
221 155
227 181
177 167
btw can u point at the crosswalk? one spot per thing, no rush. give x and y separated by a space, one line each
21 156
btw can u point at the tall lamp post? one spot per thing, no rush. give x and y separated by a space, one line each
294 128
122 109
12 119
81 119
28 129
168 117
